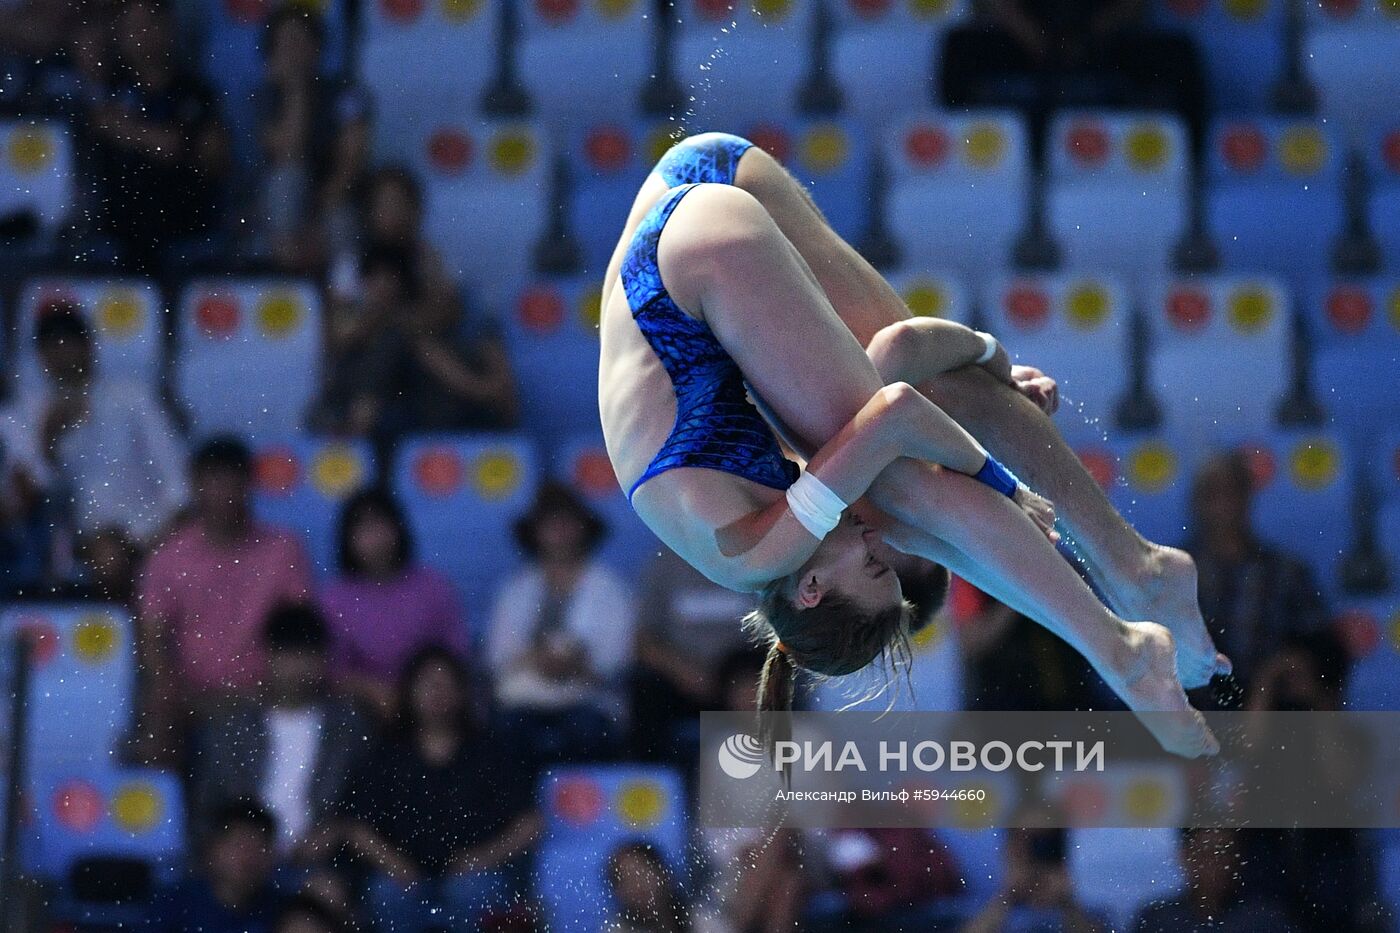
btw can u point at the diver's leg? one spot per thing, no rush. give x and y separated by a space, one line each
1142 579
980 535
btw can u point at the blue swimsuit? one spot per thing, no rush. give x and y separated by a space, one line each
716 427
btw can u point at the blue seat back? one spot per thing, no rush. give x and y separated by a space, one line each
303 483
552 333
125 317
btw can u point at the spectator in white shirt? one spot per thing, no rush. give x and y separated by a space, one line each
103 449
561 633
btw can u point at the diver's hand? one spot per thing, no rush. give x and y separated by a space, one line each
1036 386
1040 510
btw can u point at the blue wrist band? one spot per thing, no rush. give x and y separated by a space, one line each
998 477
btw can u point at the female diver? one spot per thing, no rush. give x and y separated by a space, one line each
726 302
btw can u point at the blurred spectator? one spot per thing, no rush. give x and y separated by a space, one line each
1014 663
104 448
1215 897
207 591
384 608
647 896
1037 893
161 150
234 892
442 810
690 623
403 356
891 878
302 914
561 631
108 563
1252 594
291 749
310 132
33 34
1071 53
25 528
755 878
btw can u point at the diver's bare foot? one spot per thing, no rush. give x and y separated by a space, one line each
1148 684
1166 591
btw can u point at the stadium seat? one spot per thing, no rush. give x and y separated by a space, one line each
582 462
1117 872
105 812
1371 630
462 495
1242 47
425 61
958 193
742 60
302 484
1221 352
832 158
932 294
591 811
37 172
1118 190
606 47
1147 478
888 50
552 334
248 353
1074 327
126 317
1356 353
82 679
1301 474
1383 169
487 199
1346 49
1265 174
1384 462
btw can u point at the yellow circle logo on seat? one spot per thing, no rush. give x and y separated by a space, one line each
512 151
1246 9
1251 309
1395 631
1152 467
1302 150
30 150
590 307
119 313
1145 800
1315 464
94 638
928 637
1148 147
460 11
929 9
1087 306
1390 8
497 475
279 314
774 10
614 9
1393 308
824 148
136 807
337 471
985 145
661 139
640 804
926 299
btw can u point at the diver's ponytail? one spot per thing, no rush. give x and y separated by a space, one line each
776 686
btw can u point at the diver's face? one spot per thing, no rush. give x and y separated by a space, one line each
848 562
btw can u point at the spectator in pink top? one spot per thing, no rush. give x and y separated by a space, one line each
384 608
205 592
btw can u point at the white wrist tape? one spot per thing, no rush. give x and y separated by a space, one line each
814 505
991 346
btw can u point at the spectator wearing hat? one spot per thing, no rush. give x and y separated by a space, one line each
292 747
206 593
384 607
561 631
102 450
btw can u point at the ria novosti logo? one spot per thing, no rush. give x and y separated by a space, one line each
741 756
